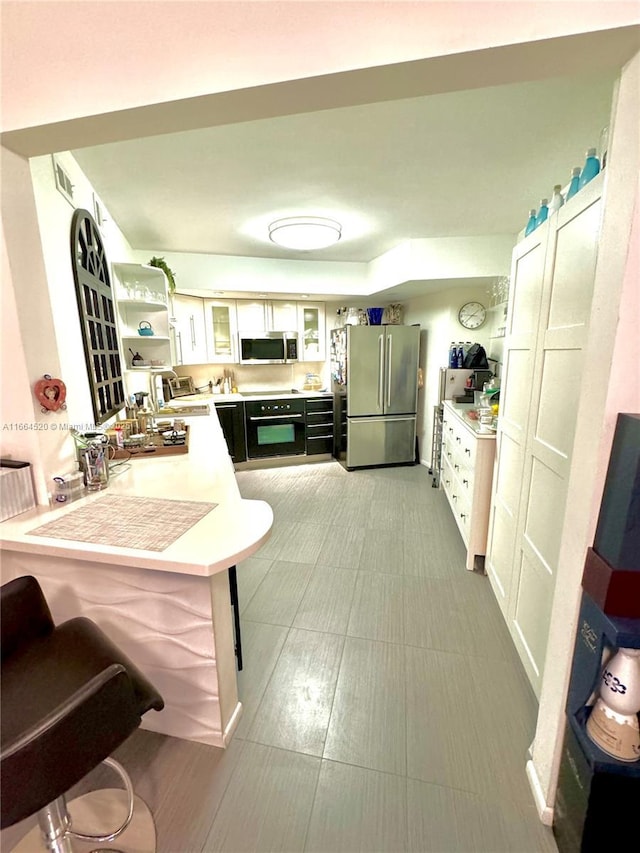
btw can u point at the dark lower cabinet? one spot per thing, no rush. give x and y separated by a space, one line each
319 425
231 417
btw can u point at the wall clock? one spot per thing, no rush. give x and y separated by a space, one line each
472 315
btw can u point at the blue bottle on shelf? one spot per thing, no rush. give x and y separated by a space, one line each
590 169
531 224
543 212
574 184
460 356
453 355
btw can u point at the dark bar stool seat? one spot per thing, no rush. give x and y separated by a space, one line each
69 698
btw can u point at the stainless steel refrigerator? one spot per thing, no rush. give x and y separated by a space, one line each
375 380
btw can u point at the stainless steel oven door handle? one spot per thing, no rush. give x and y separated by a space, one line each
274 417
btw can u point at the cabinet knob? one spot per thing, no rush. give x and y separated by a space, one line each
465 482
466 450
462 515
457 467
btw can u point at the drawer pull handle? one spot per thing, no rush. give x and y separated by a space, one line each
462 515
455 497
457 467
465 482
458 439
466 450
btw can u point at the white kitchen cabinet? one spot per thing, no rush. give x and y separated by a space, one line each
142 301
311 331
190 334
256 315
553 272
222 330
466 472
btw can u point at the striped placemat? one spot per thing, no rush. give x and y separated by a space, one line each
149 524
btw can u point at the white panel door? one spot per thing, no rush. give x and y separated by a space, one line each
564 317
527 275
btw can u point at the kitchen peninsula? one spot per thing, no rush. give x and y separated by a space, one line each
169 609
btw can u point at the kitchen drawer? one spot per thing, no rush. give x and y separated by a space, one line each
319 404
467 468
319 418
320 444
459 501
319 430
460 438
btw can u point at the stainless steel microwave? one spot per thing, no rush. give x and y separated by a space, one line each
268 347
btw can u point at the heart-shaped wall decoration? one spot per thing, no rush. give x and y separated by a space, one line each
51 393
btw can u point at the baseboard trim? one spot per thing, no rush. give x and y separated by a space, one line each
545 812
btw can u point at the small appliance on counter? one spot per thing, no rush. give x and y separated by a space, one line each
182 386
477 381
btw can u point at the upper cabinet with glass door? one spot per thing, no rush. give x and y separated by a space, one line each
311 331
222 330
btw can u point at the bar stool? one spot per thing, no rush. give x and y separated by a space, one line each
69 698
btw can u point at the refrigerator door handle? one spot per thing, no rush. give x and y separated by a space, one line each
389 351
381 372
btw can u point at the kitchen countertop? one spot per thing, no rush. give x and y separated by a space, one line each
240 397
462 410
226 535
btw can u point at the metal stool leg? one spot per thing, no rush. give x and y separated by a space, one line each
55 832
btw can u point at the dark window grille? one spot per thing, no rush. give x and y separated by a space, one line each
97 316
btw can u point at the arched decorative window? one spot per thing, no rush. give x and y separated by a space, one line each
97 316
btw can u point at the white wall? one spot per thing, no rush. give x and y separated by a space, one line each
268 275
39 293
114 54
437 315
438 258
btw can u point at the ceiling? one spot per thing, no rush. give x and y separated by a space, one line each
465 163
463 160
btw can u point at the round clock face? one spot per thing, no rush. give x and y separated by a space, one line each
472 315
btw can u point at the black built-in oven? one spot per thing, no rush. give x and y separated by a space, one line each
275 428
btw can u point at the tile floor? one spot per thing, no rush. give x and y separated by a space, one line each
384 706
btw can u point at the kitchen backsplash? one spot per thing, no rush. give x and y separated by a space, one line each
259 377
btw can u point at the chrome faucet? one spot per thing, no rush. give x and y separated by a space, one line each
153 395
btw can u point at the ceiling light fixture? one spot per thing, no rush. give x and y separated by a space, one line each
305 232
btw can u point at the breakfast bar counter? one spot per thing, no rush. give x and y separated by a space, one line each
166 601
